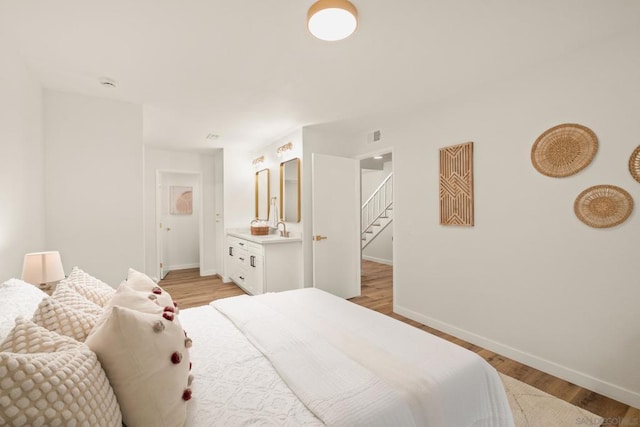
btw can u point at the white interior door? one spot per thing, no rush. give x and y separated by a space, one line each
335 199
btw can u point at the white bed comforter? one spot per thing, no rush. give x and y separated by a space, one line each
352 366
235 385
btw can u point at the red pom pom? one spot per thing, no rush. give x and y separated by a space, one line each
170 309
176 357
156 290
168 315
175 304
186 394
190 365
185 333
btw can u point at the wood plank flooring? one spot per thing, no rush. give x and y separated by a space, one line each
191 290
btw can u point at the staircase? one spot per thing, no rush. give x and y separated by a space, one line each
377 211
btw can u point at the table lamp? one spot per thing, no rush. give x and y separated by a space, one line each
42 268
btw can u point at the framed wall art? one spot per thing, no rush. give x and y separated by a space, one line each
180 200
456 185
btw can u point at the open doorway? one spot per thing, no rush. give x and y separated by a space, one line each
376 191
179 217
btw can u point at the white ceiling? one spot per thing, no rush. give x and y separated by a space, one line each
249 71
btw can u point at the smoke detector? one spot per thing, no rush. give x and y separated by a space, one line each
108 82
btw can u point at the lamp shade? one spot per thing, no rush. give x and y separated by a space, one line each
332 20
42 267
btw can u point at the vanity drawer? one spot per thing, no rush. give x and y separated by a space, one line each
255 248
237 242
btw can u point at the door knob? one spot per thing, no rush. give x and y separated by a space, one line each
319 237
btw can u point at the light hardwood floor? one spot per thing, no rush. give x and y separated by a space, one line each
191 290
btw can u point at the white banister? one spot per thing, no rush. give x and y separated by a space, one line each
378 205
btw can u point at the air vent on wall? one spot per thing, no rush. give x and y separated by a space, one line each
374 137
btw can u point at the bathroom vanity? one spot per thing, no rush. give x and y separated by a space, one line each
260 264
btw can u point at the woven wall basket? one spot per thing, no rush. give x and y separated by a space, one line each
634 164
564 150
603 206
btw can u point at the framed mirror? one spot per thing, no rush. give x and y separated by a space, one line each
290 190
262 194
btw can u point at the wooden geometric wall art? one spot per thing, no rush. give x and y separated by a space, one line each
634 164
603 206
456 184
564 150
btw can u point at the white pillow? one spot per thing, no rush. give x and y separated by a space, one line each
143 283
93 289
60 383
58 317
67 295
27 337
17 298
146 359
128 297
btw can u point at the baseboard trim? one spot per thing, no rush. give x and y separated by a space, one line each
589 382
208 273
378 260
182 266
226 279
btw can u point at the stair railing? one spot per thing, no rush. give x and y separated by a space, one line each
377 205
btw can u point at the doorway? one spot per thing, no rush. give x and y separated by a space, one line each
377 196
179 220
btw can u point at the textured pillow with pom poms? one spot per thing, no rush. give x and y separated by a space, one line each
146 358
143 283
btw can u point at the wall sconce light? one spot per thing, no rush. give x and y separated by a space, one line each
42 268
257 161
284 148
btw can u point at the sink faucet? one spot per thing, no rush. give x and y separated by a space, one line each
283 232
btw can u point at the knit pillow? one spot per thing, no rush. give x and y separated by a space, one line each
146 359
60 318
47 379
27 337
143 283
93 289
67 295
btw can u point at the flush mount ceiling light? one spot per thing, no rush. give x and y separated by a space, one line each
332 20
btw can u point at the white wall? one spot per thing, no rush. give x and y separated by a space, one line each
93 191
239 181
183 239
529 280
21 173
197 163
381 249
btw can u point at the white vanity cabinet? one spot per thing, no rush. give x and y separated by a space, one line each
260 264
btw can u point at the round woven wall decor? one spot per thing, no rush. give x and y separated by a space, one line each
603 206
564 150
634 164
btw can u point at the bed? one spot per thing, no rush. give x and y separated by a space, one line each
304 358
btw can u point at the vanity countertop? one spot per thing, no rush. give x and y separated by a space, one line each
273 238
